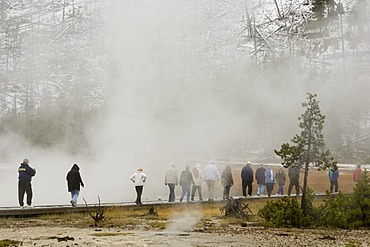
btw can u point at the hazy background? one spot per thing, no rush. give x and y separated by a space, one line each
179 91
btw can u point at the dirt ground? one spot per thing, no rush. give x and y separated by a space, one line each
236 236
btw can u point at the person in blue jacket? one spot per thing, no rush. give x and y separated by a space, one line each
333 177
25 174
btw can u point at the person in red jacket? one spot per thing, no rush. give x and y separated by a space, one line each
357 173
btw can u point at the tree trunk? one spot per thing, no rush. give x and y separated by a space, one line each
307 163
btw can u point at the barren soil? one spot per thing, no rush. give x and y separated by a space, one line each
235 236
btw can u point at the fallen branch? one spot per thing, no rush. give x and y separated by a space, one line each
235 208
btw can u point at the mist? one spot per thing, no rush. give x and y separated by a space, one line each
166 104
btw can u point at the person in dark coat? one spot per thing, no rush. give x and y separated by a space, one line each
247 179
186 180
24 182
260 177
74 181
333 177
227 181
293 173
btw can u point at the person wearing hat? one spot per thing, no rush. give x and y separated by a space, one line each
247 179
24 182
280 180
138 178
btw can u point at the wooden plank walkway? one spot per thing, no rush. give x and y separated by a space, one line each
62 209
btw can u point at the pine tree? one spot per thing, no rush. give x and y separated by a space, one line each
308 147
360 213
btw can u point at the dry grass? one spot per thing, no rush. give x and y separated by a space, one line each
131 218
317 180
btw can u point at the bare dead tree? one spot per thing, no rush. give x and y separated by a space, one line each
98 214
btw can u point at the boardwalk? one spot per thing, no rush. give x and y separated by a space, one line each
60 209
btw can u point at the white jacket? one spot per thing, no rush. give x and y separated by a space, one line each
211 172
138 178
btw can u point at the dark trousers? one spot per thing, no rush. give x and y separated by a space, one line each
269 188
139 192
246 184
171 197
295 183
24 187
226 192
335 185
194 189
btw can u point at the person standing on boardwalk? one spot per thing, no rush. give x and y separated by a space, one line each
333 177
247 179
211 175
269 180
280 180
171 180
186 180
227 181
25 174
198 178
138 178
293 173
260 177
357 173
74 181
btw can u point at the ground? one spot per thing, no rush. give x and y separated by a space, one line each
179 225
235 236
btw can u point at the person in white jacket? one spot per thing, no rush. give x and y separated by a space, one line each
198 178
138 178
211 175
